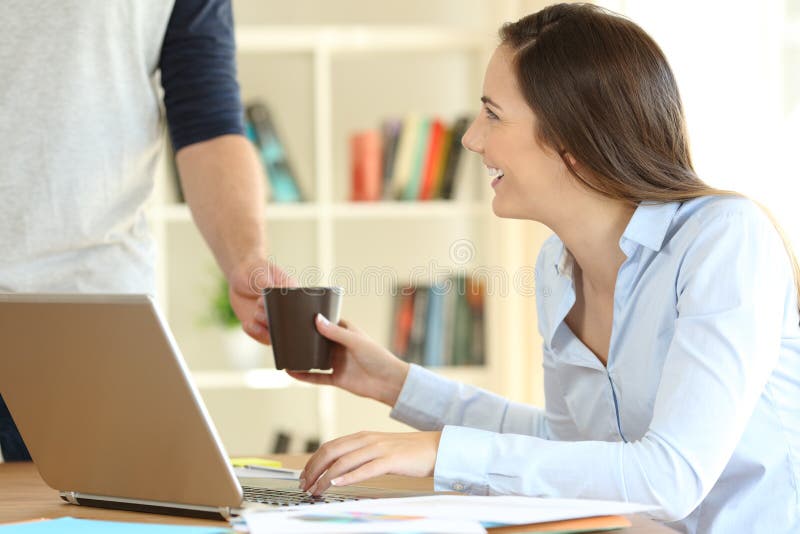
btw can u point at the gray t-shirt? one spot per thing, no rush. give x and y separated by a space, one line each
80 136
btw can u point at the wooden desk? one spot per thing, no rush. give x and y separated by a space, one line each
24 496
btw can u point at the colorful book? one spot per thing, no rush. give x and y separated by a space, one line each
411 191
476 294
432 158
390 132
453 157
367 165
440 161
281 178
416 339
440 325
404 157
433 350
462 324
448 321
403 320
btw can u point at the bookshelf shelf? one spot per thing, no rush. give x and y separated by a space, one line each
399 210
355 39
276 212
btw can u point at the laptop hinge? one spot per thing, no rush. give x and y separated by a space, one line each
69 496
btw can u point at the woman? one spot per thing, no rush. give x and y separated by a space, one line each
668 308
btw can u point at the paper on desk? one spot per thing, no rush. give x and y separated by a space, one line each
310 520
267 472
490 511
70 525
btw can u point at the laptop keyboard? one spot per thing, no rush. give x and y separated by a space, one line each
288 497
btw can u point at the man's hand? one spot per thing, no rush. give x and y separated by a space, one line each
223 182
246 283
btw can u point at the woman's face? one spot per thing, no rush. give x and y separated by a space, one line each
528 179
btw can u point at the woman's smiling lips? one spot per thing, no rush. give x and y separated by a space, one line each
495 174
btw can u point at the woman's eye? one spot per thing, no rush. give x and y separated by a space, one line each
490 114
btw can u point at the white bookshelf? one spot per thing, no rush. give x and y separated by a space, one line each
791 33
311 78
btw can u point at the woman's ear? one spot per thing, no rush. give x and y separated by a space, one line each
571 161
568 159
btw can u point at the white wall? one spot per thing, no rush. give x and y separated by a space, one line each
727 57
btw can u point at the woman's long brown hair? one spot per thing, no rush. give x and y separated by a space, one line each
603 93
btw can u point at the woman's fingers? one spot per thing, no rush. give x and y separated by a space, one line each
345 464
357 457
336 333
350 326
328 453
370 469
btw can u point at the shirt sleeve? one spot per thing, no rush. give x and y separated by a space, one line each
429 401
731 295
198 72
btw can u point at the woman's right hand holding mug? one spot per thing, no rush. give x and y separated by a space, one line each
360 365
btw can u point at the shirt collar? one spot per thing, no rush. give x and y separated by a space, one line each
565 263
648 227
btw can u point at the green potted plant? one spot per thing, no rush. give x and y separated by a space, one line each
242 351
221 311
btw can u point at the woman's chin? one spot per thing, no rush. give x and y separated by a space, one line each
500 210
505 211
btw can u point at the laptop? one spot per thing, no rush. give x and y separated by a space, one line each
111 417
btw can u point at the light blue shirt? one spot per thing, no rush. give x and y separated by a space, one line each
698 409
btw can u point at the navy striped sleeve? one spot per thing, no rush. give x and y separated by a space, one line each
198 72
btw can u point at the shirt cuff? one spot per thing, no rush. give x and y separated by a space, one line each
424 399
461 467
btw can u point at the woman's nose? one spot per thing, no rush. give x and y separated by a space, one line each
471 140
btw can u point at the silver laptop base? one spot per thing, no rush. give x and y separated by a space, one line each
153 507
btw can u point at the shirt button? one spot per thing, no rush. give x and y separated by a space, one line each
458 486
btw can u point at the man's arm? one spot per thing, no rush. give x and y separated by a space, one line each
222 178
223 183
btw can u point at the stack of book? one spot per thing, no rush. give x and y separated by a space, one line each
441 324
261 130
415 158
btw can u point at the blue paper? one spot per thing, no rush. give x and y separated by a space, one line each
69 525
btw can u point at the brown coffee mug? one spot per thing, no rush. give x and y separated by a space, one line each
291 313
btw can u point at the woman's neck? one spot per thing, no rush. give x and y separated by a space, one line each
591 232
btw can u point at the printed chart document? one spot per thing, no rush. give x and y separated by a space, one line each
485 512
310 521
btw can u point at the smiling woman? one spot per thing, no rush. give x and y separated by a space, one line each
668 308
528 176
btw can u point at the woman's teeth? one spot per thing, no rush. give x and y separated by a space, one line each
495 173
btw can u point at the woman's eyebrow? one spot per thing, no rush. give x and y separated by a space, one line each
487 100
